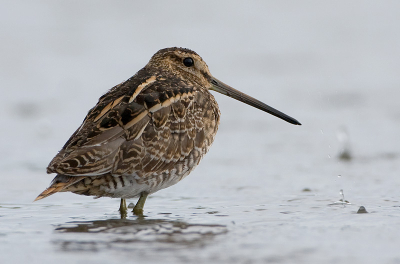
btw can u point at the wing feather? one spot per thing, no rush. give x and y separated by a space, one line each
147 136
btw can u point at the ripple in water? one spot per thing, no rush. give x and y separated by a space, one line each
134 234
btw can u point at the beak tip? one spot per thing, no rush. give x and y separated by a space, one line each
293 121
297 123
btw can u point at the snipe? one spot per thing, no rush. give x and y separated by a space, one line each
146 133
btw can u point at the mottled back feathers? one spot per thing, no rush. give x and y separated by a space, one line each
158 122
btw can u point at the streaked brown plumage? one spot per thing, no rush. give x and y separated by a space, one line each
146 133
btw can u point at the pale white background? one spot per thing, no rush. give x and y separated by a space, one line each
332 65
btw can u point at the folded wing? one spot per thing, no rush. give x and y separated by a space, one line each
155 132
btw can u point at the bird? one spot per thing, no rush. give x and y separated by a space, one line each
146 133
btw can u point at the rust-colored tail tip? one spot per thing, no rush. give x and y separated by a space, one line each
49 191
58 186
39 198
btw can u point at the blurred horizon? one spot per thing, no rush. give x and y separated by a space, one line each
332 65
328 64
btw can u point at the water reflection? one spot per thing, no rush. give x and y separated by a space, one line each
140 233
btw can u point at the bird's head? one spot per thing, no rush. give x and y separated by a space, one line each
182 63
188 65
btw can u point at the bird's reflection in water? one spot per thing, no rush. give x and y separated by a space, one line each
123 234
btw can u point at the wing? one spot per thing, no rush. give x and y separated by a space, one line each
144 130
178 133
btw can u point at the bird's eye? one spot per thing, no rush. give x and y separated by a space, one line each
188 62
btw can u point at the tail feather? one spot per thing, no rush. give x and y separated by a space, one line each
59 183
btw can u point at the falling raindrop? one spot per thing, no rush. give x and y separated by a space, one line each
341 201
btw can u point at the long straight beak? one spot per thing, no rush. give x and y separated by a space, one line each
225 89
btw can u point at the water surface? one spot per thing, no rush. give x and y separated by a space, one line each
268 191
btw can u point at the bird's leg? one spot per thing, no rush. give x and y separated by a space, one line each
122 208
138 209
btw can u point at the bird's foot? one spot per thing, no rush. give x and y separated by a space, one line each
122 209
138 209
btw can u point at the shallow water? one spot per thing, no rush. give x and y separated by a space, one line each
267 192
